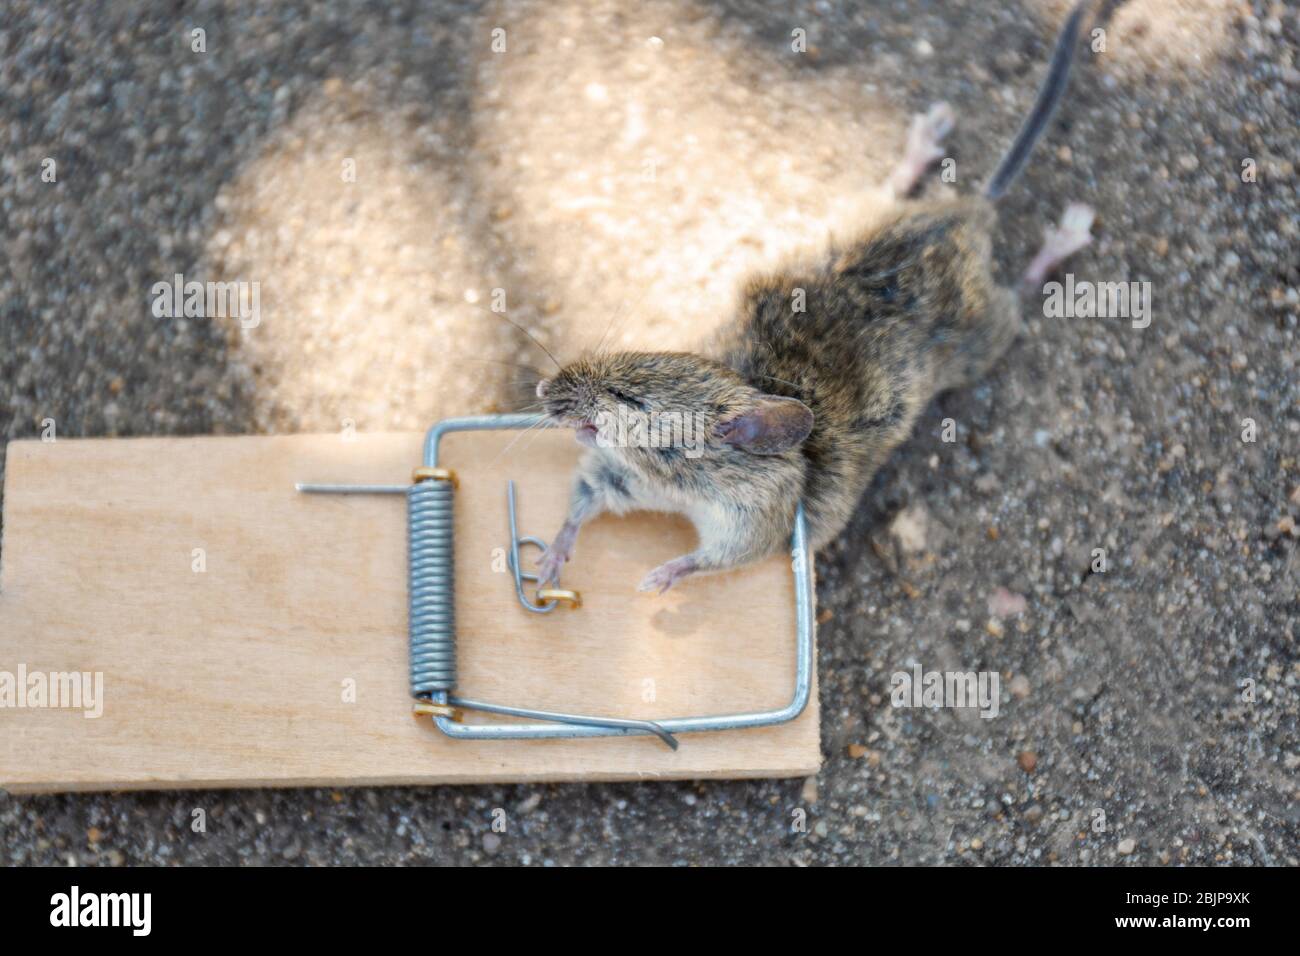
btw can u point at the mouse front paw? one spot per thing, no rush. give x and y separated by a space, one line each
551 563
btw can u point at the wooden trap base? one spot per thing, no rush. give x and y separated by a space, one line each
282 660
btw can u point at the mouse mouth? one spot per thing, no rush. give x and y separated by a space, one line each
585 430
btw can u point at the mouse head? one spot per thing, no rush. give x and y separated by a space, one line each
664 402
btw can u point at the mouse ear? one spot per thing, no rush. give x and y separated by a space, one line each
772 426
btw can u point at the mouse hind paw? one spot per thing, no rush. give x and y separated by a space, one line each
1061 242
924 146
668 574
937 123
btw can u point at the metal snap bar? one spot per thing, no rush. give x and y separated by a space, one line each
432 627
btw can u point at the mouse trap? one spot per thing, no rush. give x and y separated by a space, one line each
259 611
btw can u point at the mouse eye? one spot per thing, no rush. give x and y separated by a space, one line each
626 399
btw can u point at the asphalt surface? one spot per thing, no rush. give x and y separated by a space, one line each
629 164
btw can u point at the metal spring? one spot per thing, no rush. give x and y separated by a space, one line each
431 587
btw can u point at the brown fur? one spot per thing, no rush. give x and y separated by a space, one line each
820 376
897 315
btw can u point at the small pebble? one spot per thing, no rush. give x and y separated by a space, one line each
909 529
1003 603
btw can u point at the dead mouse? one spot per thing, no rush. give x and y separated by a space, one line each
818 378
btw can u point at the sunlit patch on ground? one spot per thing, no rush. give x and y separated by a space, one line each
641 169
374 291
606 179
1161 36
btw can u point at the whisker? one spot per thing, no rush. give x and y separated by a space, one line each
502 315
610 327
515 440
531 406
530 441
518 365
781 380
621 314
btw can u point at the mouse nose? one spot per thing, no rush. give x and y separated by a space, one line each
543 387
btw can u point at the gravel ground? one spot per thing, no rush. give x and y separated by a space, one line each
626 164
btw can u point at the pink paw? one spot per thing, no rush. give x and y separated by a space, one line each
924 146
1061 242
1075 230
928 131
551 563
666 575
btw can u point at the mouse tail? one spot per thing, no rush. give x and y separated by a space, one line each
1049 96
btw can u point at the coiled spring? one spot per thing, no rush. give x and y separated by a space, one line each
431 587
